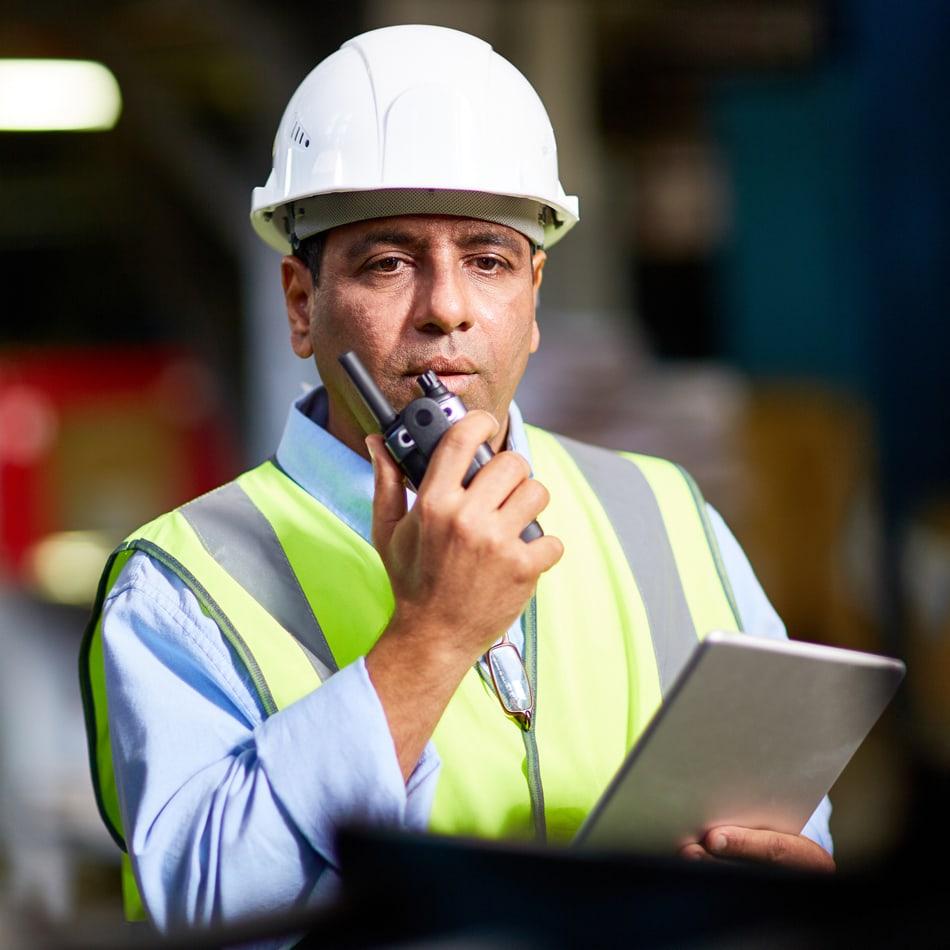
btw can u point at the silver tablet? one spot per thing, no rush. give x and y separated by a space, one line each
754 732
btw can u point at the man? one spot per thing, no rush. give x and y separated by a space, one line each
313 645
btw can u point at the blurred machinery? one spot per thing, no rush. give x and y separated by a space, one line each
93 442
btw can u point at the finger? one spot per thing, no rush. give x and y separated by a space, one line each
507 482
456 449
520 501
695 852
389 492
769 847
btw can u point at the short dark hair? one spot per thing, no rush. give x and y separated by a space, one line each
310 251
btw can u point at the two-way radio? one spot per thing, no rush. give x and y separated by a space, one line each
412 435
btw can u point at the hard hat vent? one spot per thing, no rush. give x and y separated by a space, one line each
299 135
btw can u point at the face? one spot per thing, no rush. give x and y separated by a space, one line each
409 294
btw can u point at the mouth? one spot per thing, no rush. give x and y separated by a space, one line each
454 375
444 368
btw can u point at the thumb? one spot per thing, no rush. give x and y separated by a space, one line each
389 492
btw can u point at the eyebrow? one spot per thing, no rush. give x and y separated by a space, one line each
494 238
399 237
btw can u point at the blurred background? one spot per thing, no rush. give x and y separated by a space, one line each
757 289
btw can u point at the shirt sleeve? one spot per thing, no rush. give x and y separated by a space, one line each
759 617
227 813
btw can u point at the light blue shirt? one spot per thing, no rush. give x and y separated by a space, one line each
229 813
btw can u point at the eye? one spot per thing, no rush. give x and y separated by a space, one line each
386 264
488 264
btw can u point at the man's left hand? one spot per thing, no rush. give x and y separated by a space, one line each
730 843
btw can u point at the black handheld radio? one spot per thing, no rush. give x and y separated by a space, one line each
412 435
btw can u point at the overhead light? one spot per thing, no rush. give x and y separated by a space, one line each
64 567
50 95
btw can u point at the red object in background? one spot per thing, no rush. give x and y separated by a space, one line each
104 440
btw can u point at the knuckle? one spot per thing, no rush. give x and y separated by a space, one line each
540 496
514 465
468 522
777 848
427 507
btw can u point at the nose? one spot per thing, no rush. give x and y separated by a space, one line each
442 303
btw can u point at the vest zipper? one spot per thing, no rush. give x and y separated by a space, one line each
528 729
535 788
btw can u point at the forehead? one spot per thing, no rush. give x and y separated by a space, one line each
422 230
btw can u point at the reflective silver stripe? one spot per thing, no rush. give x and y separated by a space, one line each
617 481
241 539
236 534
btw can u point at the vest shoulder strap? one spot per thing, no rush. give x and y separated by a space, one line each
643 498
236 533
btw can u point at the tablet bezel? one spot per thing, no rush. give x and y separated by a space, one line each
754 732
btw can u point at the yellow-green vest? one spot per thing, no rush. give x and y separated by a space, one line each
611 624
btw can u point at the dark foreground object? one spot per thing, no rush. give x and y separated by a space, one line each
423 891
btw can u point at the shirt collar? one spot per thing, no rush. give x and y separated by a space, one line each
335 475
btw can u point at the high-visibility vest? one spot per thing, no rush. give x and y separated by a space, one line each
640 582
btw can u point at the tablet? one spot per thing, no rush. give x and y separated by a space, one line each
754 732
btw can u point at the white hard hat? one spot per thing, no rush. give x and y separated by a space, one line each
413 120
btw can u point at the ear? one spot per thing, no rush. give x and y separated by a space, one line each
537 267
297 282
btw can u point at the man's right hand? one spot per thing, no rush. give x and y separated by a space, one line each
459 570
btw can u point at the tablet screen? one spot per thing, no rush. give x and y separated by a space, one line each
754 732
